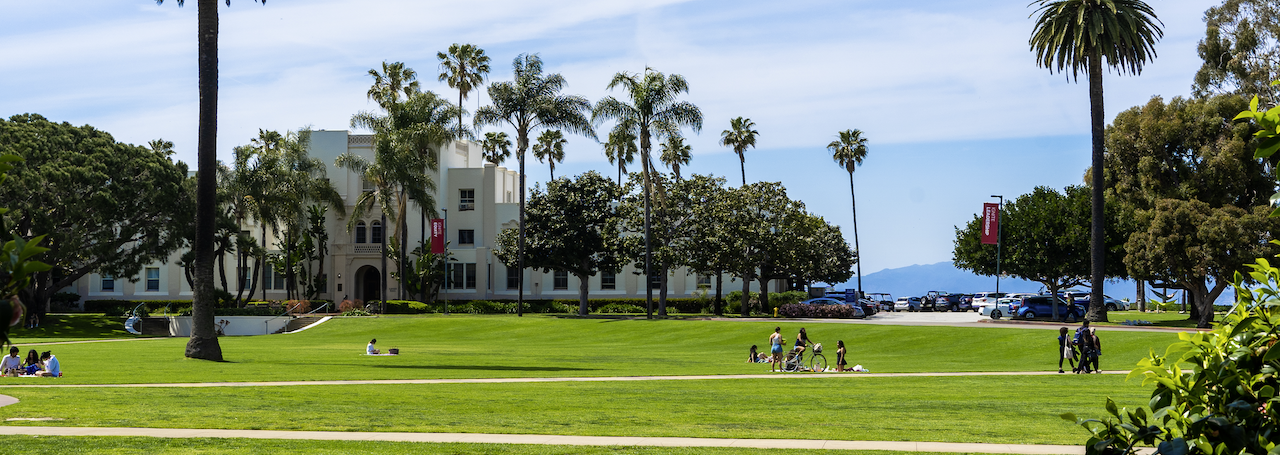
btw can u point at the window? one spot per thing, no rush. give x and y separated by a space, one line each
246 278
704 280
153 279
608 280
508 197
108 283
375 232
513 278
360 232
461 276
466 236
560 280
272 279
366 185
655 281
467 199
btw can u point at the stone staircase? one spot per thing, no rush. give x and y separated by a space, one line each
299 322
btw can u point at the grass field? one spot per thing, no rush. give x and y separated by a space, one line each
1009 409
160 446
72 327
541 346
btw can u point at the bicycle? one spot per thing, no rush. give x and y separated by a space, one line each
817 361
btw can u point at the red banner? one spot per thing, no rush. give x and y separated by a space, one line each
990 224
437 236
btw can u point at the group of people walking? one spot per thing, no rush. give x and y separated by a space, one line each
1084 345
44 364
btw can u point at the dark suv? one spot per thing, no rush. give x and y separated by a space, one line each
1041 307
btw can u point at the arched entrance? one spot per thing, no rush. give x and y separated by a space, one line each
368 283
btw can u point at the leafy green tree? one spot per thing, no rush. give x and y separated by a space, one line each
848 150
1078 35
761 242
675 154
395 81
1241 50
653 112
17 263
706 247
107 207
815 251
463 68
529 103
550 148
1199 247
204 339
572 227
1185 156
497 148
1045 240
621 150
1268 134
739 137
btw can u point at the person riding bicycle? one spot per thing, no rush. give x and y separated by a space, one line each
802 340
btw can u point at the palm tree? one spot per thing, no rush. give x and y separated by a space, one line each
394 81
497 148
1078 35
849 149
550 148
652 112
621 150
463 68
740 136
532 101
204 338
675 154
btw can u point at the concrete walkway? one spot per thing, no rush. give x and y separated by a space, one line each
51 384
900 446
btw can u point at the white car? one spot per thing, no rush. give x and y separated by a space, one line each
982 299
1001 307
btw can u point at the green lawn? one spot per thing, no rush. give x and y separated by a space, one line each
162 446
72 327
1165 319
1014 409
1009 409
542 346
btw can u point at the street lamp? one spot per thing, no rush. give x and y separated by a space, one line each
998 239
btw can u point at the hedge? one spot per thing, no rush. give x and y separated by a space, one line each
796 310
122 306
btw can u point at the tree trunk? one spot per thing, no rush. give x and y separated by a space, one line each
764 293
583 287
742 162
746 296
1141 295
522 143
857 250
222 268
204 339
1097 307
648 245
1053 300
717 306
662 292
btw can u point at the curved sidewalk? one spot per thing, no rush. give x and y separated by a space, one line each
479 438
522 380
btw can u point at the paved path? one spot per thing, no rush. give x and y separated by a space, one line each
51 384
901 446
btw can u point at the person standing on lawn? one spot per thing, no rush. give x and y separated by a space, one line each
1065 350
775 347
840 352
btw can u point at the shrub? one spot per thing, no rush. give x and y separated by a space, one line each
298 306
349 305
796 310
621 308
778 299
120 307
1215 392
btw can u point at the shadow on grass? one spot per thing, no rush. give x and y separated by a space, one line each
449 367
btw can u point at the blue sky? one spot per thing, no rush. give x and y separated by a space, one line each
947 92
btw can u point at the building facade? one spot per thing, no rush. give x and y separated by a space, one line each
476 199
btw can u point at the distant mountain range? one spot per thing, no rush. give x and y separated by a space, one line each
916 280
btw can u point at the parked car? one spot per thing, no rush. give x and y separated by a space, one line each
946 301
884 301
868 307
982 299
907 304
859 312
1112 304
1000 308
1041 306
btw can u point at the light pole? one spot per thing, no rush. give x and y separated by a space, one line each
998 239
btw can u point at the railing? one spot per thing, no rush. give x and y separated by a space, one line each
368 249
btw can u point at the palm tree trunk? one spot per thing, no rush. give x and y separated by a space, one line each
222 267
662 293
854 199
1141 296
742 162
522 143
204 339
1097 310
648 246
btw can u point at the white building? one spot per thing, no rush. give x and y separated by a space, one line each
477 200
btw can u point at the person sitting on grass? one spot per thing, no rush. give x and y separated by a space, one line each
51 367
370 350
32 365
754 355
11 364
